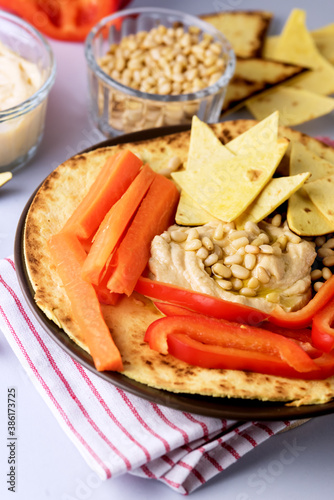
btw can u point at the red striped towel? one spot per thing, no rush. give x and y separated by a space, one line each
117 432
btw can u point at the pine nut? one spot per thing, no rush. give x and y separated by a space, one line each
273 297
247 292
257 242
264 237
329 243
253 283
219 232
252 249
166 236
317 286
225 284
326 273
325 252
218 251
229 226
207 243
237 283
262 275
221 270
208 270
240 242
235 235
282 240
241 251
328 261
240 271
294 238
178 236
212 259
266 249
276 220
233 259
192 234
277 250
251 227
193 245
250 261
320 240
316 274
202 253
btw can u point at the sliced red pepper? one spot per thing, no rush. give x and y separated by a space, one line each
303 317
199 302
251 340
64 20
322 328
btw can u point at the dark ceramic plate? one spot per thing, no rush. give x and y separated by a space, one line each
209 406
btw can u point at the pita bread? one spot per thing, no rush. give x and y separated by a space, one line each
52 205
246 31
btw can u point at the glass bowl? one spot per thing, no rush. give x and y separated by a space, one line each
116 108
22 124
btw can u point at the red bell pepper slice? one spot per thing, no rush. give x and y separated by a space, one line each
70 20
322 329
199 302
256 344
303 317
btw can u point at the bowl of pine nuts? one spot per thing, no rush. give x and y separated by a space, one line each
154 67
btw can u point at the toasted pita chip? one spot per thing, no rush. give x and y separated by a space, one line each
225 189
295 106
190 213
304 218
324 40
252 76
276 192
246 31
5 177
320 193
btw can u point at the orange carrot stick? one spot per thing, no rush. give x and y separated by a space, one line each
114 224
111 183
68 256
154 215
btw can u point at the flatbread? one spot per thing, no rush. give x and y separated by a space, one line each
56 200
245 30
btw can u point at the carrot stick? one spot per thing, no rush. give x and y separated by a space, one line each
154 215
114 224
111 183
68 256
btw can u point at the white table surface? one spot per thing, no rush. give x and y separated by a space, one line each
49 466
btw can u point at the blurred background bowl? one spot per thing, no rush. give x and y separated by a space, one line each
22 126
116 108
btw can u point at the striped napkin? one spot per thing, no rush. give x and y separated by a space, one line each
117 432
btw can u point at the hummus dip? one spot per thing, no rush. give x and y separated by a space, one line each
19 80
277 274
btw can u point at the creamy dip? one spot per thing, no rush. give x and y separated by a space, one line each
19 80
288 270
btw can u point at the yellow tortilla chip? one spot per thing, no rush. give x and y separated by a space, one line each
303 159
304 218
257 138
5 177
324 40
252 76
295 106
269 47
320 193
245 30
276 192
226 188
190 213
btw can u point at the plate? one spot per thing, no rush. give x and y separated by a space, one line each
236 409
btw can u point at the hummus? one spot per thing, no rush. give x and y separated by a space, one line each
19 80
288 270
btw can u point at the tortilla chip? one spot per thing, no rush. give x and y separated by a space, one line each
252 76
269 47
245 30
320 193
276 192
304 218
218 189
56 200
295 106
189 213
324 40
304 160
5 177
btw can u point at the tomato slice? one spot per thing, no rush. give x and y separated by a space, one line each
63 20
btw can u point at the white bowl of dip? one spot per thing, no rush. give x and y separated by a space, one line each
27 73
